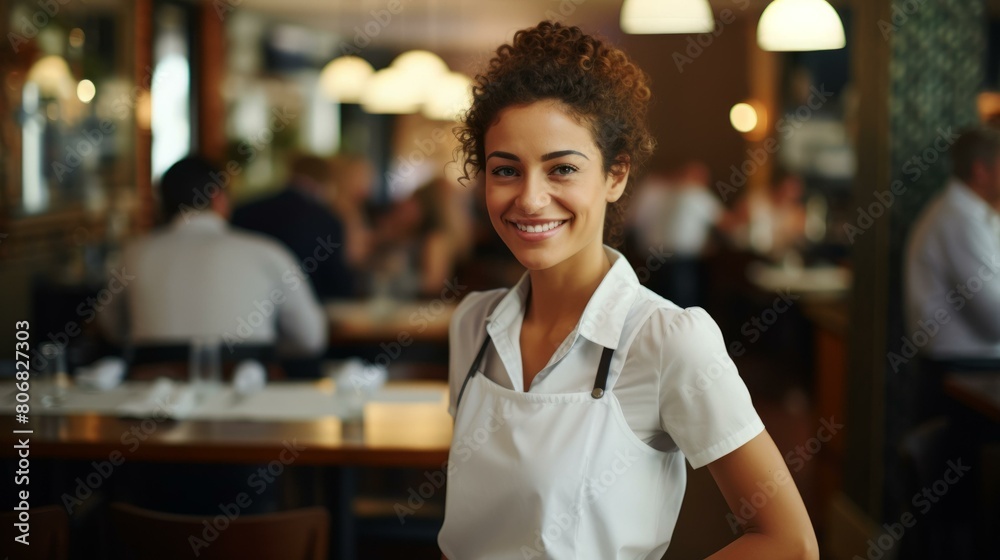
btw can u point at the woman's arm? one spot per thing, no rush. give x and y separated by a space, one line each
780 528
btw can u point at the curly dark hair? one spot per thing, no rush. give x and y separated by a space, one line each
594 80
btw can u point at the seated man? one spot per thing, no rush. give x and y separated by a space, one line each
298 217
953 258
197 277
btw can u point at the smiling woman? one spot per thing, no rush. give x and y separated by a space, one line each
576 392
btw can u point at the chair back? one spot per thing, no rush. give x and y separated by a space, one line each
48 538
301 534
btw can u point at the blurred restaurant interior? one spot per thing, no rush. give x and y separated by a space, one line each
792 163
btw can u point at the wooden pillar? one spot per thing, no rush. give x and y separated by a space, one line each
209 60
764 80
145 209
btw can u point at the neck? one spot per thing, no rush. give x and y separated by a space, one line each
560 294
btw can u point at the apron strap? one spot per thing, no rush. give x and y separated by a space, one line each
472 370
601 381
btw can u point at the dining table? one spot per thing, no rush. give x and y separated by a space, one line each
379 320
401 424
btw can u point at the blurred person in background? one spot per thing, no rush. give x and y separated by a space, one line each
771 223
953 257
298 217
676 223
351 186
198 278
953 251
424 238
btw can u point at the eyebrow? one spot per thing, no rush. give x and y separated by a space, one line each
546 157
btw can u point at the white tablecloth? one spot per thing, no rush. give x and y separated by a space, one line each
282 401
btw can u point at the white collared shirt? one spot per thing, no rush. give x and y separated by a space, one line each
953 277
678 387
200 278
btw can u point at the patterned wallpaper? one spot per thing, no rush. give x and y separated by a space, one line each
936 69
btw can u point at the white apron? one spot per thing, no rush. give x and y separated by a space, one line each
534 475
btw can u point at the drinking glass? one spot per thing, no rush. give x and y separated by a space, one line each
205 371
52 379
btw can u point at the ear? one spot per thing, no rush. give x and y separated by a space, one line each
618 178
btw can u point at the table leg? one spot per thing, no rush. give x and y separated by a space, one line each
347 483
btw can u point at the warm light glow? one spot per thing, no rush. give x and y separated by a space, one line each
86 91
800 25
743 117
53 77
76 38
422 71
144 110
389 91
449 98
344 79
988 103
420 62
659 16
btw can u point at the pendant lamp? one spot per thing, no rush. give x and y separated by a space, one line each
666 16
800 25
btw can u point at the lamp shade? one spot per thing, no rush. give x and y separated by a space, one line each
800 25
344 78
389 91
449 98
662 16
419 62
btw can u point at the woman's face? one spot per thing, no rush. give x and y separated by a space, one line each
546 189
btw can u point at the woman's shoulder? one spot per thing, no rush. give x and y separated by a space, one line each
678 332
663 313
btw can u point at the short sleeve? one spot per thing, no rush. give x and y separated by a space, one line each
704 404
465 334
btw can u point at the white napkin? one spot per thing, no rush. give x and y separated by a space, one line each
356 382
103 375
164 398
249 377
359 377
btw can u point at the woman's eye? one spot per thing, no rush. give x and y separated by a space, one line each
564 169
504 172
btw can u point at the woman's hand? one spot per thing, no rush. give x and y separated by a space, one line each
778 529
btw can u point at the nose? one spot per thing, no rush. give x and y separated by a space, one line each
534 195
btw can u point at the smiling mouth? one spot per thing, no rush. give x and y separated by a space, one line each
538 228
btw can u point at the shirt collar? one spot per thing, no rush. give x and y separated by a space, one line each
204 220
604 316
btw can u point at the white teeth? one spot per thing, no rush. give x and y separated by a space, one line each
539 228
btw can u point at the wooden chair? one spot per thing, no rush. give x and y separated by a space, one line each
301 534
48 539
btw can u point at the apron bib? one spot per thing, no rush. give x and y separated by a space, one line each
534 475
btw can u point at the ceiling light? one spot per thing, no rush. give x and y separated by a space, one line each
450 97
390 92
743 117
343 79
420 62
53 77
85 91
659 16
800 25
